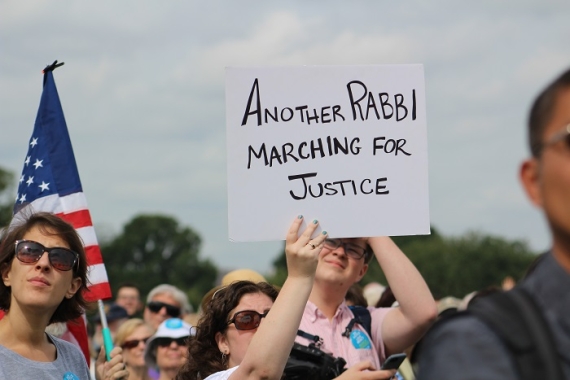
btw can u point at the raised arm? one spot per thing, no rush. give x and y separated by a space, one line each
269 349
404 325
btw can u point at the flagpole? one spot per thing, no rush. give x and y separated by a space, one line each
107 339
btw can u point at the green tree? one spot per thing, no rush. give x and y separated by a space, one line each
6 198
155 249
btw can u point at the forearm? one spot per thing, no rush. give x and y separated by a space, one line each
270 347
417 308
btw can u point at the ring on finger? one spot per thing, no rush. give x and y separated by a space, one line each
312 245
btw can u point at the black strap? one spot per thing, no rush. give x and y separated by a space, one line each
517 320
362 317
317 341
349 327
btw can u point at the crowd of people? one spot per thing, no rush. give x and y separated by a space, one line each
246 328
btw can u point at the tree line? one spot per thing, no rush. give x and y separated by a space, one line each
155 249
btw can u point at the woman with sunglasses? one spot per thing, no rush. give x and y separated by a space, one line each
44 273
132 337
247 332
166 350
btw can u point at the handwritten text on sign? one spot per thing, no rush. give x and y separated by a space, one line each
346 145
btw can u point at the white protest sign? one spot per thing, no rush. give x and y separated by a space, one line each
346 145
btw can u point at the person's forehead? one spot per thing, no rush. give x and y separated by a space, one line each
128 291
141 331
46 237
358 241
254 301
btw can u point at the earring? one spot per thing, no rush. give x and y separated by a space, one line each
224 358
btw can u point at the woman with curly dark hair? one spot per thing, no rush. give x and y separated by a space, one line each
44 273
247 331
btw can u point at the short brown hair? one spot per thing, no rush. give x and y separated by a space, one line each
541 112
48 224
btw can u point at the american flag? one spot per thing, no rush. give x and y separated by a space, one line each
50 182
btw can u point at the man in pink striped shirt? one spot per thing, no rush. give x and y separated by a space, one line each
342 263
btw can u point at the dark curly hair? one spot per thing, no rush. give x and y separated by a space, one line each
51 225
204 356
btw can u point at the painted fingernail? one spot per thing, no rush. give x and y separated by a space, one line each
324 232
315 221
300 217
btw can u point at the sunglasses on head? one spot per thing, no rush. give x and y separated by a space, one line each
134 343
30 252
247 319
166 342
156 306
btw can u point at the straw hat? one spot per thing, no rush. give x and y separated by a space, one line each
230 277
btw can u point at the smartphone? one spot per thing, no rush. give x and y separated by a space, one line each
393 361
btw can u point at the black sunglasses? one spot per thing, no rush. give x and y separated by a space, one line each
352 250
30 252
156 306
134 343
166 342
247 319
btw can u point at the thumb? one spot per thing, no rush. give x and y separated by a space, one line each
361 366
101 357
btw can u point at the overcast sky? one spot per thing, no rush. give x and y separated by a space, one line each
143 94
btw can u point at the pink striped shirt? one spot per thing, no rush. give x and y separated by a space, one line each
353 349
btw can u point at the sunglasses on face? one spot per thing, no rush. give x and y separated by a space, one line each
352 250
166 342
156 306
247 319
30 252
134 343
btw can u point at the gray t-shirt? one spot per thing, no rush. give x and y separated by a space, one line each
467 349
69 365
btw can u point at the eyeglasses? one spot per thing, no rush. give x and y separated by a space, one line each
30 252
166 342
247 319
352 250
156 306
134 343
562 135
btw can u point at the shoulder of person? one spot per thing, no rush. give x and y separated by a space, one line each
463 345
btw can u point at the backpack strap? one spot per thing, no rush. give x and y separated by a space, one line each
317 341
517 320
362 317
